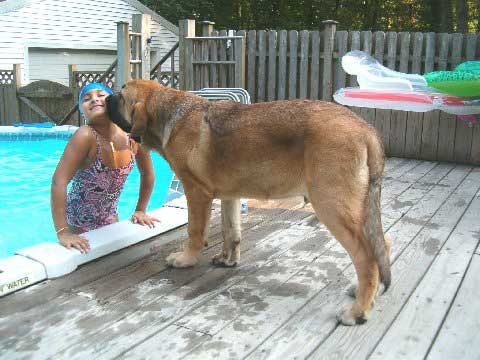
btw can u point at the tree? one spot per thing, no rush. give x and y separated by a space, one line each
461 14
384 15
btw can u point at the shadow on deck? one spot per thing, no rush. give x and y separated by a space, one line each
281 302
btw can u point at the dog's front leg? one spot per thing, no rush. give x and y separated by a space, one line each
199 210
231 231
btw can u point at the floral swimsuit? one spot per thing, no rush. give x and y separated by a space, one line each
93 198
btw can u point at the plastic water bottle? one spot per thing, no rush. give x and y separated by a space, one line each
243 206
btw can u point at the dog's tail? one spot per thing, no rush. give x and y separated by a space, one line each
373 223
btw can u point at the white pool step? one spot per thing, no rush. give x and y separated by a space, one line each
50 260
18 272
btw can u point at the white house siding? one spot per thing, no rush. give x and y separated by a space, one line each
48 64
82 26
162 39
9 53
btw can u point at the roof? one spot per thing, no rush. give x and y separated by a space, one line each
12 5
146 10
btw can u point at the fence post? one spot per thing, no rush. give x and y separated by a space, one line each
239 56
329 38
17 76
186 28
207 27
72 84
71 76
141 23
122 75
206 30
17 70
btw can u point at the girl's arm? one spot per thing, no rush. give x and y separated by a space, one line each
74 156
147 179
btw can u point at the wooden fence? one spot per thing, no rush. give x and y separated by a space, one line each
44 100
307 65
39 101
168 77
9 80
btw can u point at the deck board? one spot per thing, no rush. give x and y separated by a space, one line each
400 173
459 336
155 304
244 310
415 328
239 342
318 316
128 276
282 301
303 332
411 260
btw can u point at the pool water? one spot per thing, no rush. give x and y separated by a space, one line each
26 169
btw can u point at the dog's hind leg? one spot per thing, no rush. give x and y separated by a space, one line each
339 202
352 291
199 210
231 231
363 260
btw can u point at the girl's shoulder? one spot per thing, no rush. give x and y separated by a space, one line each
84 136
83 131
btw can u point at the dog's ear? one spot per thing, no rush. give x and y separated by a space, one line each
115 115
139 120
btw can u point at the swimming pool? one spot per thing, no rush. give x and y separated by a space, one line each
27 164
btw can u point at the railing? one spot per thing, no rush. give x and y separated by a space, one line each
107 77
136 54
169 77
7 77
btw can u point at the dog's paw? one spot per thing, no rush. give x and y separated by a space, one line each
352 315
226 260
181 260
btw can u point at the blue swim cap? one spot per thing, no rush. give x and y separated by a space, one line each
89 87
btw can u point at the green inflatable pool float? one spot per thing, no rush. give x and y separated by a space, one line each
464 81
469 66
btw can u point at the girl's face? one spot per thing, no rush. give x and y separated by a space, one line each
93 104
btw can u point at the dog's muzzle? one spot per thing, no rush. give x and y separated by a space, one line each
116 117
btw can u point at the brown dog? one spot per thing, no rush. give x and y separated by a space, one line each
279 149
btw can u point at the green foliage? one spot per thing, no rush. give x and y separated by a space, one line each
385 15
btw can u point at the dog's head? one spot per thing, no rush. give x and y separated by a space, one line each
127 108
150 111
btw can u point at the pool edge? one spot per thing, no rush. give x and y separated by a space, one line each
50 260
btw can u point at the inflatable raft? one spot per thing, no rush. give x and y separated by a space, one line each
383 88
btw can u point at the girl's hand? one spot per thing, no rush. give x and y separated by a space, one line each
70 240
141 217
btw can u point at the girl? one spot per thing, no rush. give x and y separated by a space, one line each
99 157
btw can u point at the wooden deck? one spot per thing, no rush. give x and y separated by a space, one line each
282 300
